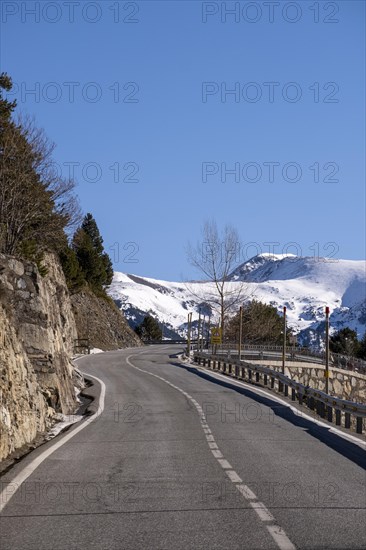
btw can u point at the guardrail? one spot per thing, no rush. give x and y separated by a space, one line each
296 354
170 341
330 408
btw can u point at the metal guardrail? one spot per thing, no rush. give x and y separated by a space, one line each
166 342
297 354
326 406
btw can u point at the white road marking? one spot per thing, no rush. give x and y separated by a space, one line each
12 487
276 532
246 492
233 476
280 537
224 464
217 453
262 511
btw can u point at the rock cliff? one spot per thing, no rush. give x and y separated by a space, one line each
38 331
100 320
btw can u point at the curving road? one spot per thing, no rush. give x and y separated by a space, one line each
178 459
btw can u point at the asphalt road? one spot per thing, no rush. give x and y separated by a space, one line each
177 460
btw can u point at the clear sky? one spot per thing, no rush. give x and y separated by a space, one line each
136 95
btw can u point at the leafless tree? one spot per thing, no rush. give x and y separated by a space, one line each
215 256
35 202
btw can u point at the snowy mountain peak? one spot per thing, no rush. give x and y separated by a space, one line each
251 266
304 284
281 267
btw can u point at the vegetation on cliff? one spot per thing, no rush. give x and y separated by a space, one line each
39 210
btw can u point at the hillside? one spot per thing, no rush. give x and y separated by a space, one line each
304 285
98 318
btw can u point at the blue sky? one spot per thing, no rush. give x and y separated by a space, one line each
135 102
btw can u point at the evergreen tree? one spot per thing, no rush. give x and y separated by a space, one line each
362 348
149 329
262 324
345 342
95 263
89 225
73 273
6 107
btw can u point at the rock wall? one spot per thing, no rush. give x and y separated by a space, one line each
23 409
100 320
36 342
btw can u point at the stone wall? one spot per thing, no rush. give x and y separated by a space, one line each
348 385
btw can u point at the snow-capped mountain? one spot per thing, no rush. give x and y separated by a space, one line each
304 285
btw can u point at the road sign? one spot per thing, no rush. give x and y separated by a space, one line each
216 335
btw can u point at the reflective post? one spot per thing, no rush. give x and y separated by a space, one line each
199 329
284 341
326 372
240 330
189 334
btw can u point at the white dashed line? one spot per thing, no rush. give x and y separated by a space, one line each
276 532
262 511
234 476
216 453
279 535
246 492
224 464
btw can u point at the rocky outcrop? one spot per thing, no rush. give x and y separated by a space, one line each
99 320
23 408
36 343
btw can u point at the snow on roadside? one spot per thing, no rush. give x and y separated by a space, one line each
96 350
63 421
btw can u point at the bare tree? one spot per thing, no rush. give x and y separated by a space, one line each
61 190
36 204
215 256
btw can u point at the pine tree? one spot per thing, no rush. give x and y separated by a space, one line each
95 263
362 348
73 273
149 329
344 342
6 107
89 225
262 324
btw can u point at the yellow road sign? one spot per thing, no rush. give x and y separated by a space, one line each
216 335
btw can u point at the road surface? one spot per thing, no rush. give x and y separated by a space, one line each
177 460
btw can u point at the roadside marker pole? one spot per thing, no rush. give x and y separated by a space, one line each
326 372
240 330
284 341
189 334
203 337
199 329
280 385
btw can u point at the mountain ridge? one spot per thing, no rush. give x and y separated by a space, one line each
305 285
